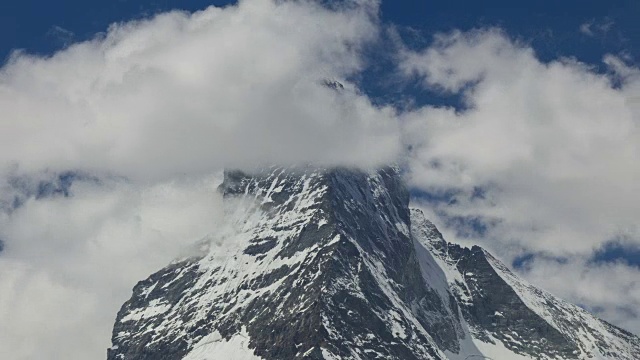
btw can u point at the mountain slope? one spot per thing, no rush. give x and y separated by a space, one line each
500 308
333 265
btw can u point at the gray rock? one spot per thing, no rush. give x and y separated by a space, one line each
320 264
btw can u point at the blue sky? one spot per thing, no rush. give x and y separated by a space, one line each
585 30
43 27
551 27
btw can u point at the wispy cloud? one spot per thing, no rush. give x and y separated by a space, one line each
595 28
184 93
61 36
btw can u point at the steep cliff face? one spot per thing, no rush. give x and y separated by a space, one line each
505 315
332 264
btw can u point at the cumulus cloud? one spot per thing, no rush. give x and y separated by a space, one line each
186 93
541 158
108 146
553 145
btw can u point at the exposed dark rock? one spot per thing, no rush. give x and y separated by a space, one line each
333 264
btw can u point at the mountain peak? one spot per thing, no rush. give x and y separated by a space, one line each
332 264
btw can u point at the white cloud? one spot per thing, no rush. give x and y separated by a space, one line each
185 93
555 145
611 289
585 28
593 28
70 262
554 148
151 108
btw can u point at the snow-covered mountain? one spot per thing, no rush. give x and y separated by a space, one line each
333 264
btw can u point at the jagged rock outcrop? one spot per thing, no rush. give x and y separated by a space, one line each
332 264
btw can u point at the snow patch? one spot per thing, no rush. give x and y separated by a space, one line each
214 347
155 308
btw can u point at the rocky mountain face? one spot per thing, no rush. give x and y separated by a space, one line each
333 264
